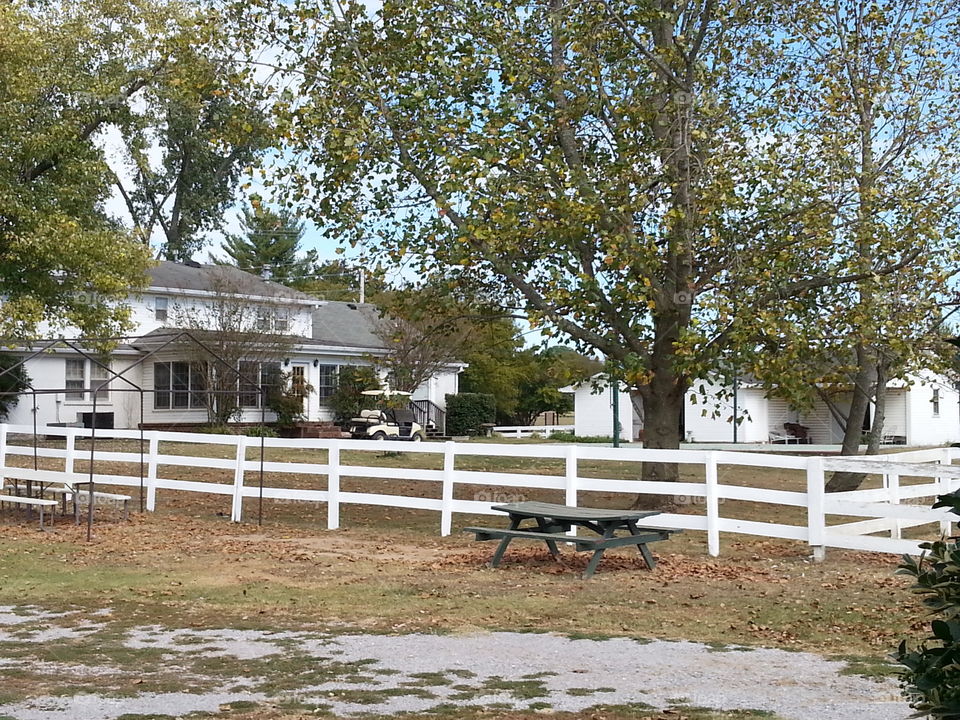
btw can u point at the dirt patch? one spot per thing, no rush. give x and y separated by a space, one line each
670 567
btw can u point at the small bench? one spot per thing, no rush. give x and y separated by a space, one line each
67 493
80 496
40 503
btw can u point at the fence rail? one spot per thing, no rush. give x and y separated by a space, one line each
886 510
525 431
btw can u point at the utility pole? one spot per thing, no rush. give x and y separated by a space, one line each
736 409
363 291
615 396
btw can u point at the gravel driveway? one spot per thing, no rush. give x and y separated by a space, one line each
351 674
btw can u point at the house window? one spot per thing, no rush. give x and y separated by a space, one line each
326 382
270 320
253 376
98 375
178 385
75 380
936 402
81 376
160 309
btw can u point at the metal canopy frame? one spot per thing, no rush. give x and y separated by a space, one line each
174 338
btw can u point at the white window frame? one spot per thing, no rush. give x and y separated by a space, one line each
935 401
161 309
324 392
196 387
93 375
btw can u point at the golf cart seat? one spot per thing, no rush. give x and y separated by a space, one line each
371 417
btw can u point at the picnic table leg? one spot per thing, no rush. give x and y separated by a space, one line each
642 547
551 545
608 532
502 547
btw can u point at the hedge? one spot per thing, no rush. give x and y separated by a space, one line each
466 412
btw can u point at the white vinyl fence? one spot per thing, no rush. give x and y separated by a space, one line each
888 510
525 431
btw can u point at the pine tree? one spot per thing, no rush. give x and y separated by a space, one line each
269 247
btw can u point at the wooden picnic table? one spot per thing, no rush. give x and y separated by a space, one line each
550 523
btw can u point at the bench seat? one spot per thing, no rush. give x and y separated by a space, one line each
84 493
581 542
80 496
25 500
40 503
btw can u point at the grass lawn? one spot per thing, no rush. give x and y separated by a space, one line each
388 571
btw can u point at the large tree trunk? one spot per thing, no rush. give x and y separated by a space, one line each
879 409
663 401
863 384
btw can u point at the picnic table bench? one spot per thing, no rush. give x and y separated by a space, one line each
29 501
67 492
551 523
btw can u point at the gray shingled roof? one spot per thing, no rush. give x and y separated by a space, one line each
218 278
347 324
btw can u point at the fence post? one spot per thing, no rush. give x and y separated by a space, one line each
816 515
70 455
446 500
944 486
3 454
893 490
570 481
236 511
151 478
713 505
333 486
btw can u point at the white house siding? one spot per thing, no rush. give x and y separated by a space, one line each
48 372
923 426
895 413
823 429
708 418
593 415
437 388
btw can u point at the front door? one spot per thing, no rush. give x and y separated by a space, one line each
298 383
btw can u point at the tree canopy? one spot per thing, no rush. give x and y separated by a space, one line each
269 246
67 75
620 172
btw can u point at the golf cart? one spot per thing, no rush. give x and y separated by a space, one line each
386 423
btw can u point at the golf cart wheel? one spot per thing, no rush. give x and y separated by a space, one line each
417 437
379 435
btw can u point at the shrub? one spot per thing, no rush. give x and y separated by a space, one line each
261 431
564 436
931 678
347 400
12 384
285 399
466 412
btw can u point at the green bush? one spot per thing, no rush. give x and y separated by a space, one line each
12 384
931 678
466 412
285 399
348 399
570 437
261 431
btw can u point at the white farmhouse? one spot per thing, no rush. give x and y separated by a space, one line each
318 338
